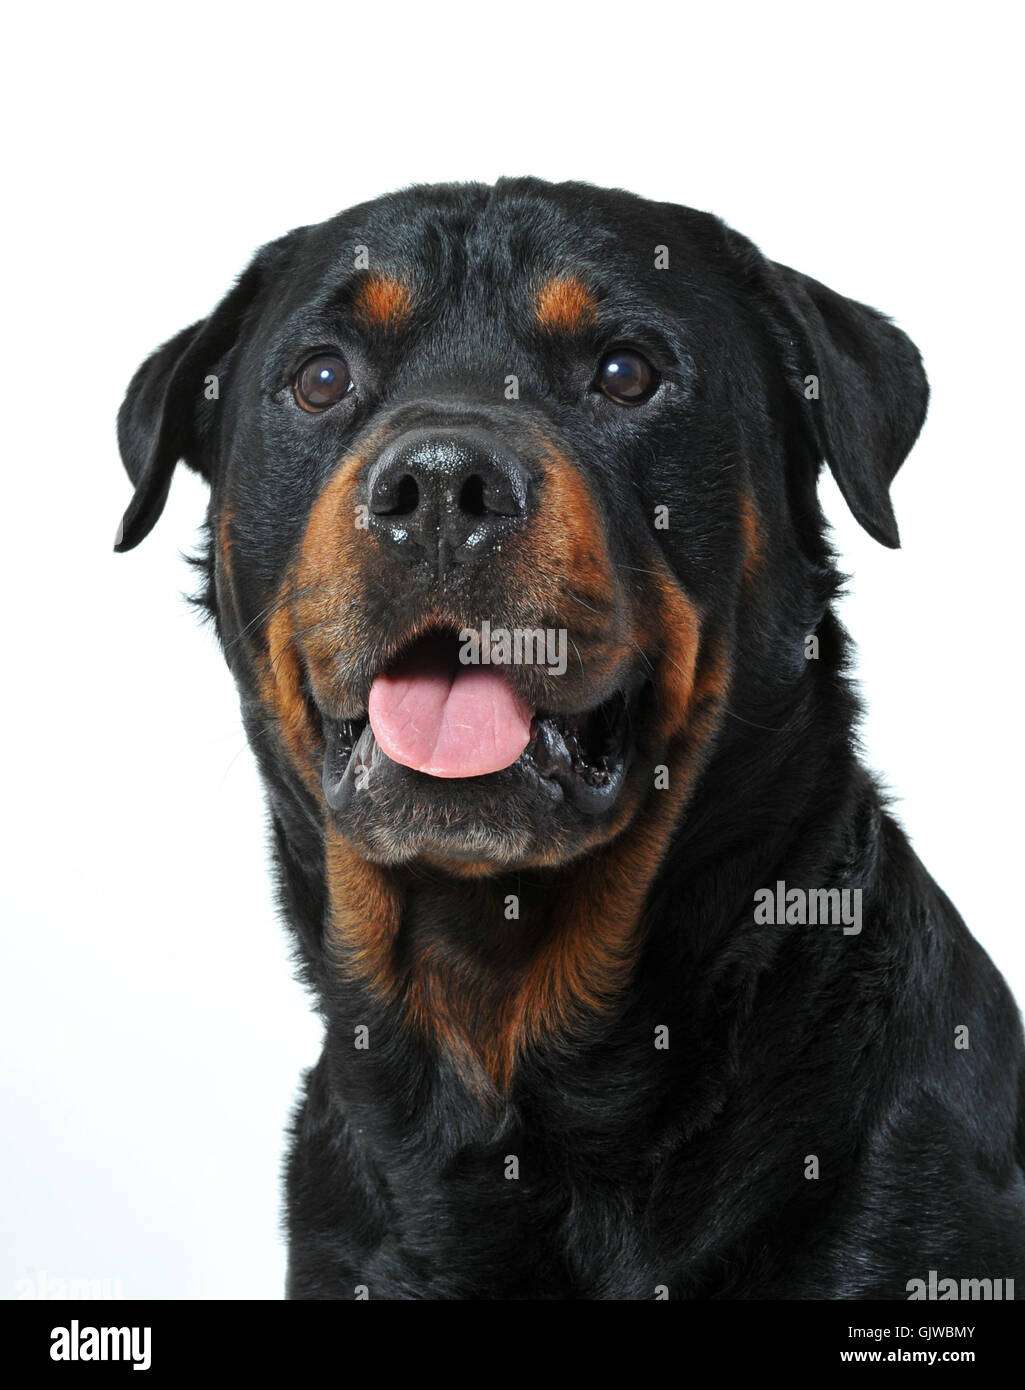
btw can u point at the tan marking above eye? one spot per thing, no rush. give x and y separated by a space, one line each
382 302
565 304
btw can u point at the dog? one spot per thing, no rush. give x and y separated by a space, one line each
633 987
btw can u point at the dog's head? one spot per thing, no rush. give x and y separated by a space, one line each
509 487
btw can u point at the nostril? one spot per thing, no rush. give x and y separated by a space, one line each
471 497
408 495
493 492
395 496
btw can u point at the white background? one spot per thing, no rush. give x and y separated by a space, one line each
153 1037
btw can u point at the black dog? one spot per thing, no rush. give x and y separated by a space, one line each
633 989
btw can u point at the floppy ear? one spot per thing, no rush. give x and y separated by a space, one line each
857 379
863 391
162 419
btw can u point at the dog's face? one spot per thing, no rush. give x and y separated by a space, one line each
507 487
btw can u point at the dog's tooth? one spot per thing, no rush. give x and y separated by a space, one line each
364 756
347 766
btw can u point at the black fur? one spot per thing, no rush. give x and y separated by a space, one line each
641 1170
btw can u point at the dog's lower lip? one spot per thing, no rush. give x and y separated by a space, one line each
342 739
585 756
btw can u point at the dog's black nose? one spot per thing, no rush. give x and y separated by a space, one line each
446 496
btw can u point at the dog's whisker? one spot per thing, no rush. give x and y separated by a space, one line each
281 602
294 637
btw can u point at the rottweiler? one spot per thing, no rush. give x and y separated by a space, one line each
633 987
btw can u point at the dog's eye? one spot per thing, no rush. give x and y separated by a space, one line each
322 382
627 377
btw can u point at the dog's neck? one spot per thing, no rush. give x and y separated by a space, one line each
487 968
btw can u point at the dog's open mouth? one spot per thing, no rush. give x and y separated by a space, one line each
448 721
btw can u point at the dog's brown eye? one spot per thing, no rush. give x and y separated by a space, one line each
322 382
627 377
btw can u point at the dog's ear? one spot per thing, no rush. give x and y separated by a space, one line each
858 382
162 419
863 391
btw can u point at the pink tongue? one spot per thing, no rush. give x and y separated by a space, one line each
461 722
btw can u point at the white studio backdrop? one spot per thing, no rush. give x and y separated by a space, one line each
153 1035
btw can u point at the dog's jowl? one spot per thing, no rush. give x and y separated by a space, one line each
515 554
